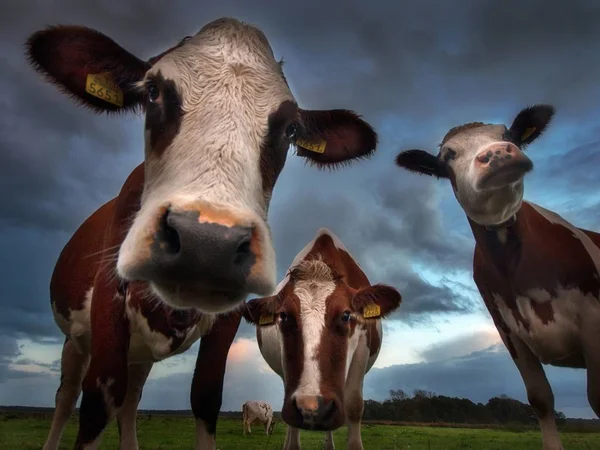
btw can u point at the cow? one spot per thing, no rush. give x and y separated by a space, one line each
172 258
321 333
537 273
260 412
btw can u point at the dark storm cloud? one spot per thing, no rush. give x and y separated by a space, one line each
414 69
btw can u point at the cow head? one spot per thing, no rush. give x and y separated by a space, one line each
219 118
319 321
485 163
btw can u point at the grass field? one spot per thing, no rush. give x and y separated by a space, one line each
28 432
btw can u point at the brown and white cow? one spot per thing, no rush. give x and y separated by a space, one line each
538 274
321 333
186 239
261 412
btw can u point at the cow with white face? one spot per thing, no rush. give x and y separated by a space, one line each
538 274
188 230
321 333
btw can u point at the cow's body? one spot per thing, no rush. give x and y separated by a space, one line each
336 363
538 274
261 412
173 257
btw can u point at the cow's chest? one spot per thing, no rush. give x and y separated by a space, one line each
155 335
548 322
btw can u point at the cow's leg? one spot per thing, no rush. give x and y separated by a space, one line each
127 416
207 383
105 383
328 444
353 399
292 439
539 392
268 424
73 366
591 354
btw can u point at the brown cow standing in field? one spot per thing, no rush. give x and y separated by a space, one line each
321 333
539 275
172 258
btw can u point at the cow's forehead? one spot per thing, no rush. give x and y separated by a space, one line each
474 134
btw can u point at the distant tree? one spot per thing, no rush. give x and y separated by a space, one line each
397 395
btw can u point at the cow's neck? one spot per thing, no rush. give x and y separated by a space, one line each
502 244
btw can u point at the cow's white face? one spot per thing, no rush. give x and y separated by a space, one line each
485 164
220 118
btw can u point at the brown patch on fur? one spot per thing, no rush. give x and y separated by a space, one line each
354 408
544 311
539 405
164 116
273 151
459 129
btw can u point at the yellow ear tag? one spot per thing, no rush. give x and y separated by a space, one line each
102 86
528 132
371 310
266 319
313 147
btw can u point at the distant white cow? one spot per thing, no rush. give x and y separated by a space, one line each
257 411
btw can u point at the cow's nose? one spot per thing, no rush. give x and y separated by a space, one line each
316 411
189 250
497 154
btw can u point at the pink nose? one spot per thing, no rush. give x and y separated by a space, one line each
497 154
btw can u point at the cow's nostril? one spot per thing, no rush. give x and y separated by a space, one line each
508 149
167 236
243 251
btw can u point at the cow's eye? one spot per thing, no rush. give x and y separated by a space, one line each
153 92
346 316
283 316
291 131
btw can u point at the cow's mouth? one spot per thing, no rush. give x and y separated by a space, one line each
208 300
508 173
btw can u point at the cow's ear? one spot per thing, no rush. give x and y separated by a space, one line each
376 301
530 123
421 162
329 138
88 66
261 311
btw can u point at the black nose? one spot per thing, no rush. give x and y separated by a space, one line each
316 413
187 250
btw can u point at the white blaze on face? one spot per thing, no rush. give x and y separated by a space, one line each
486 207
313 304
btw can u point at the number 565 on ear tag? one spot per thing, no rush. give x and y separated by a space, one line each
101 85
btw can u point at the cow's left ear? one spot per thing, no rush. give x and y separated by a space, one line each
376 301
261 311
530 123
329 138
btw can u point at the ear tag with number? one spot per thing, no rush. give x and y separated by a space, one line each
101 85
528 132
371 310
318 147
266 319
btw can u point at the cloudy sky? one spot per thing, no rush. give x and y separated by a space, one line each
413 69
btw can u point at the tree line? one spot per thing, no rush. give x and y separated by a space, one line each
426 406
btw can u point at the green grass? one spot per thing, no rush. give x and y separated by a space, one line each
28 432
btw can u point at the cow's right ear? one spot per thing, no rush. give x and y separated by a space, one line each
422 162
88 66
261 311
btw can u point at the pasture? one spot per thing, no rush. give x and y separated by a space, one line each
24 431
